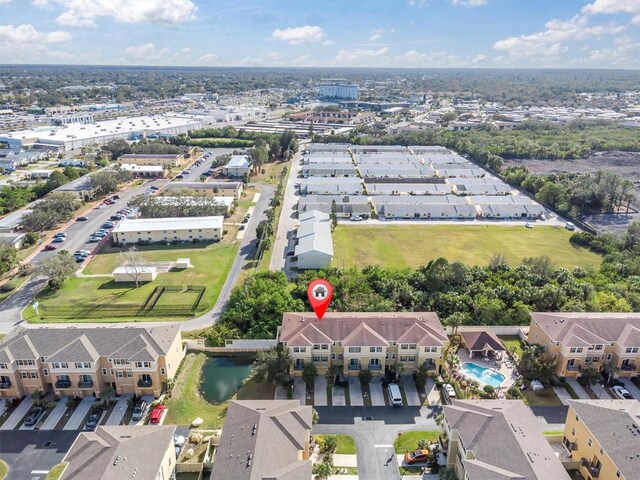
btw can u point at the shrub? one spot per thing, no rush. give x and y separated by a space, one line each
328 444
365 376
514 392
7 287
489 390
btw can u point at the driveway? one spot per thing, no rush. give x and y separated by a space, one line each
300 390
31 455
631 388
355 392
433 395
56 414
339 397
18 414
581 392
377 395
320 391
119 410
77 418
563 395
410 391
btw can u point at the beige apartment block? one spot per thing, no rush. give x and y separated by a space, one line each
164 160
163 230
81 361
363 341
604 437
576 340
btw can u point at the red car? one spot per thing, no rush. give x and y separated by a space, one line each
157 413
50 247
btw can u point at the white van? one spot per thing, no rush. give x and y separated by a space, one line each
395 398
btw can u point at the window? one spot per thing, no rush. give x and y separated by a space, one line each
120 374
412 358
333 356
33 374
58 365
316 347
375 349
324 346
393 356
576 350
403 358
162 371
3 366
577 418
129 374
354 349
404 346
598 347
430 349
111 371
324 358
104 371
354 362
632 350
299 349
21 362
590 442
45 372
412 346
340 356
608 356
316 358
82 365
573 432
23 374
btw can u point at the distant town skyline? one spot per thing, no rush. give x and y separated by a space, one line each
331 33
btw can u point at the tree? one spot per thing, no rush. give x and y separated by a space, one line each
133 263
421 377
321 471
107 394
57 269
105 182
334 215
610 368
329 444
273 366
315 416
590 373
454 321
309 373
56 208
116 148
218 333
365 376
8 256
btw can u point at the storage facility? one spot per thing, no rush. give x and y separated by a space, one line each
314 248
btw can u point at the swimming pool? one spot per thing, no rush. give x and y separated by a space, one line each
481 374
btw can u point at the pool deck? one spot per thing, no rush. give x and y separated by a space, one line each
505 367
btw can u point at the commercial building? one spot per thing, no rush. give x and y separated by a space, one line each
81 187
363 341
150 159
347 206
264 440
578 340
603 438
143 452
238 166
81 361
338 89
145 171
314 247
180 229
212 189
331 186
78 135
329 170
498 440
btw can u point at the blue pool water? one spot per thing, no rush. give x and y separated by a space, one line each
482 374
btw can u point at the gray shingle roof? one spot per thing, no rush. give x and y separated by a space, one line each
73 344
281 431
115 453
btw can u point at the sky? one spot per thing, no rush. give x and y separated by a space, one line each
323 33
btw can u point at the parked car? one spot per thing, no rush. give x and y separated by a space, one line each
180 176
622 392
93 239
356 218
81 219
94 419
34 416
154 187
108 224
186 172
178 440
570 226
395 397
115 197
245 220
50 247
157 413
138 411
58 239
116 217
60 234
448 389
417 456
529 225
241 227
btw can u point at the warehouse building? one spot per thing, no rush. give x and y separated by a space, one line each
434 211
347 206
396 171
511 211
162 230
331 186
329 170
313 148
163 160
314 248
407 188
326 158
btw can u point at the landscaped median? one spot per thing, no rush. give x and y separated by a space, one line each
177 293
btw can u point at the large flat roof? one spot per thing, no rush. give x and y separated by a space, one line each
174 223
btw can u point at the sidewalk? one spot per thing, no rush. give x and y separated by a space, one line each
119 410
75 422
377 395
17 415
342 460
433 395
56 414
562 394
581 392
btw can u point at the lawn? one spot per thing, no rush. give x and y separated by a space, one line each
346 444
412 245
56 471
211 264
542 398
513 342
409 440
16 282
186 402
272 172
4 469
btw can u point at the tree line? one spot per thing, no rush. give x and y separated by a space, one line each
178 206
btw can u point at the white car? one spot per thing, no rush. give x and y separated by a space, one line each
451 393
622 392
569 226
357 218
529 225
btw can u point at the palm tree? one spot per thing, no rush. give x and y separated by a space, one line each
107 394
610 368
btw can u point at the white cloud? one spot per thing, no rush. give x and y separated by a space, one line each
84 13
469 3
359 55
26 34
375 36
612 6
624 54
147 54
208 59
5 1
299 35
328 43
377 33
40 3
549 42
478 58
636 20
186 50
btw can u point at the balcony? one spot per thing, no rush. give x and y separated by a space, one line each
63 384
375 368
298 367
145 383
87 384
353 367
6 384
443 440
593 471
574 368
631 367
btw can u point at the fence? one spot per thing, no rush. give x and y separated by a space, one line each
518 330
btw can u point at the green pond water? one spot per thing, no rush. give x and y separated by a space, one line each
221 377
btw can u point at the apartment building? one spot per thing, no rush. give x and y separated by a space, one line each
152 159
162 230
604 437
211 189
265 440
143 452
576 340
498 439
81 361
363 341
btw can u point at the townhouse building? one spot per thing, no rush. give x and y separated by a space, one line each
603 436
578 340
82 361
363 341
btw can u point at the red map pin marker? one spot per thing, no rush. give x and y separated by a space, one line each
320 293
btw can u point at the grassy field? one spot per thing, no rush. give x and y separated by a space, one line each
513 341
16 282
272 172
412 245
211 264
186 403
409 440
542 398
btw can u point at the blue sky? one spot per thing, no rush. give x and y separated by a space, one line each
332 33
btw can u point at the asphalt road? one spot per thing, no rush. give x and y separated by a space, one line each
29 454
246 251
196 172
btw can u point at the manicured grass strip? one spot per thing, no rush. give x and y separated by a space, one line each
471 244
56 471
346 444
409 440
513 342
542 398
4 469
